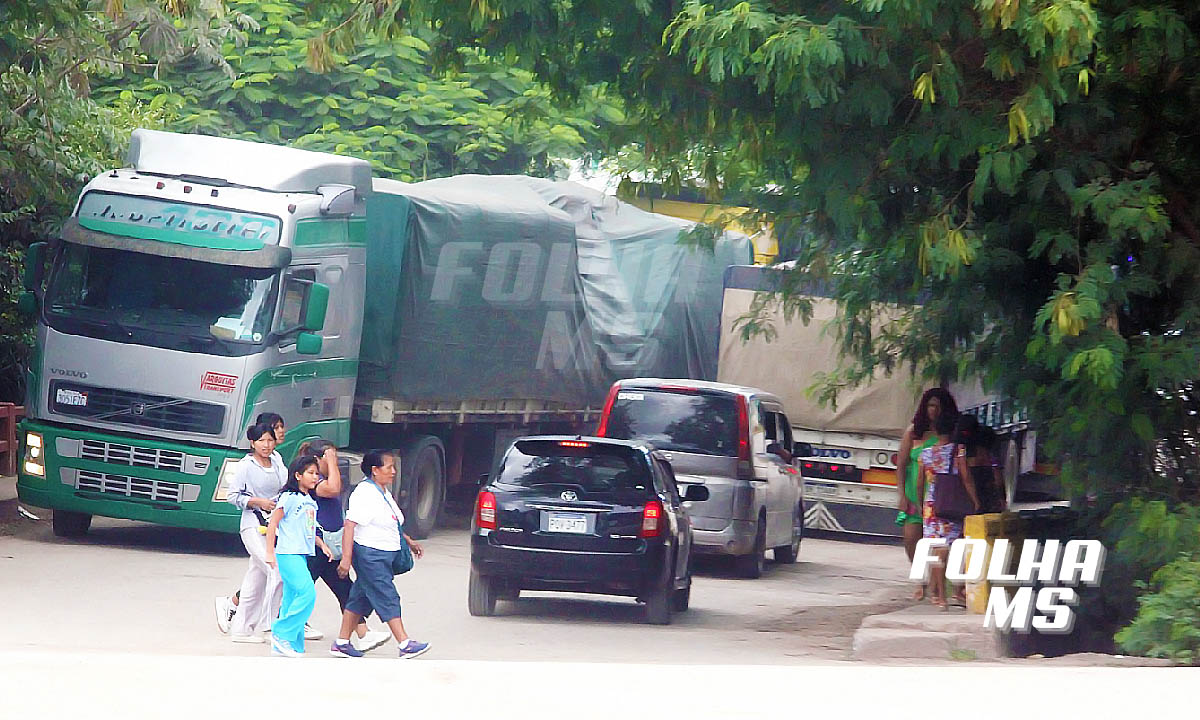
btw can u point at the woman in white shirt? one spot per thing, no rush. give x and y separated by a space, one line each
372 537
256 485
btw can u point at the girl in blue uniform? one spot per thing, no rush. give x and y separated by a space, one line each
291 541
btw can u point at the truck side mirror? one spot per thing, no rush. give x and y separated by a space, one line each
316 307
337 199
35 264
309 343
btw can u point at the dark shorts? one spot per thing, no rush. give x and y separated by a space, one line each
373 588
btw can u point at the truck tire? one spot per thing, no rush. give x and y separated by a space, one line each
423 471
752 566
70 524
481 595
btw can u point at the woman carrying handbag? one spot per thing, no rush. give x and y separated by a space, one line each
947 500
375 545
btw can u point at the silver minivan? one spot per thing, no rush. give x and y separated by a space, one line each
737 442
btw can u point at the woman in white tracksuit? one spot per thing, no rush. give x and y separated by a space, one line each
256 485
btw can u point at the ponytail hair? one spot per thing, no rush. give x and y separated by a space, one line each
298 467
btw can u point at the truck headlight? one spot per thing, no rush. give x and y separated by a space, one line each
225 479
34 463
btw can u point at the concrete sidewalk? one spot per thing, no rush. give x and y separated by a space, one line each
926 632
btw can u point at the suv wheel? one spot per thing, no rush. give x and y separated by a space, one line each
481 595
658 606
681 599
752 566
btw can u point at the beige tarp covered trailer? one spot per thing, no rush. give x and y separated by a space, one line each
787 364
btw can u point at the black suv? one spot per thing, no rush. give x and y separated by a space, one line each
579 514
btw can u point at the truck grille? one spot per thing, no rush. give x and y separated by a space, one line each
132 408
156 490
130 455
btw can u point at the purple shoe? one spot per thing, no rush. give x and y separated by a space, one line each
343 650
411 648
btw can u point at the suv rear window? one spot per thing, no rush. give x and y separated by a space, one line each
594 469
693 422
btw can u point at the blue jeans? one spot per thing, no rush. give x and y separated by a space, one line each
373 588
299 596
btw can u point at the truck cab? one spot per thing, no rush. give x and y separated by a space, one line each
208 281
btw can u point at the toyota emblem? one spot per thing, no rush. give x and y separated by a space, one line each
569 495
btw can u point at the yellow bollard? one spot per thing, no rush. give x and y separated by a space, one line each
975 528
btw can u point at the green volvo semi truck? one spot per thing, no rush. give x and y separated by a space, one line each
213 279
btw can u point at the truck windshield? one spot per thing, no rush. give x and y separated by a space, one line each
165 302
681 421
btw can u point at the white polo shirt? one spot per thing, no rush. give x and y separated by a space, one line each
375 516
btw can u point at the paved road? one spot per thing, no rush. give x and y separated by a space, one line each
136 587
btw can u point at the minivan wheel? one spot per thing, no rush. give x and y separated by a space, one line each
752 566
481 595
658 606
787 554
70 524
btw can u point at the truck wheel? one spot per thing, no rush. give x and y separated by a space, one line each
481 595
752 566
787 554
71 524
424 482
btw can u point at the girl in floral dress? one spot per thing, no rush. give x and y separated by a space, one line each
937 460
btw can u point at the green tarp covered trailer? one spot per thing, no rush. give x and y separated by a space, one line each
493 292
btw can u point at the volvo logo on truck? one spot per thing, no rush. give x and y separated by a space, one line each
69 373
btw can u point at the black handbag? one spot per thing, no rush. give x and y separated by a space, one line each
950 498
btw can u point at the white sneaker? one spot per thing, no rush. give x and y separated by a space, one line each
224 609
370 641
311 633
280 648
247 638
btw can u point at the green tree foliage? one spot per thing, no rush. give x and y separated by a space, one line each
1168 619
379 100
1020 175
53 136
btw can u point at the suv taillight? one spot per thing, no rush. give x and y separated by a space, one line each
608 404
485 512
652 519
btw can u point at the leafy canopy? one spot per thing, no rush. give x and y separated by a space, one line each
1019 175
376 97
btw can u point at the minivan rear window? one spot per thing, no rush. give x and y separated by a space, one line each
682 421
593 469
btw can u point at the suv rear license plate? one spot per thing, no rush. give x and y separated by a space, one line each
567 523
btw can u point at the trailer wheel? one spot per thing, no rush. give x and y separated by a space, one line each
70 524
423 471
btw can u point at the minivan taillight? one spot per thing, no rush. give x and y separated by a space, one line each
652 519
485 513
743 429
608 405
